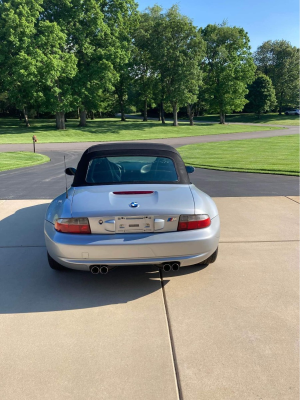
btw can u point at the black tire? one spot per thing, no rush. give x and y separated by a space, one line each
54 264
286 113
210 259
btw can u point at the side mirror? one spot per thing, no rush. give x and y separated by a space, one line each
190 169
70 171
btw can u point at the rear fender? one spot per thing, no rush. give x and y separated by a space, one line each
203 203
60 207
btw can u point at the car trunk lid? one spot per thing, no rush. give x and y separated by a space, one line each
126 208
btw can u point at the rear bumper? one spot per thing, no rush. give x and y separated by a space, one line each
82 251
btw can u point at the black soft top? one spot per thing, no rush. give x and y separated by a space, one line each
123 147
129 149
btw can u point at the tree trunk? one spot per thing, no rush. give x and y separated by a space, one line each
26 117
222 117
92 115
82 121
122 112
175 120
162 113
78 113
190 114
60 120
145 111
280 105
159 114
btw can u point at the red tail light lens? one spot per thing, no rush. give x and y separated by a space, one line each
73 225
189 222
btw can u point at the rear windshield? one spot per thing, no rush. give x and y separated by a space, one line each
131 169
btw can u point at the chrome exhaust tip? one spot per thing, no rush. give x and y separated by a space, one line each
166 267
103 270
95 270
175 266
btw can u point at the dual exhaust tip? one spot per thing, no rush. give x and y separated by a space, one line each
174 266
103 269
96 269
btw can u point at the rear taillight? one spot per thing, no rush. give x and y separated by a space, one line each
189 222
73 225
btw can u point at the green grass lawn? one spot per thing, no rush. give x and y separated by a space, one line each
275 155
272 118
14 131
20 159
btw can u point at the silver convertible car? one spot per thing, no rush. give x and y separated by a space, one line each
131 204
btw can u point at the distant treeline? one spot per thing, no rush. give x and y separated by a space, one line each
95 58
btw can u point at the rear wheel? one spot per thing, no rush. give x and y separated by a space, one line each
210 259
54 264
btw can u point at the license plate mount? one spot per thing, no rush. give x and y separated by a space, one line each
134 224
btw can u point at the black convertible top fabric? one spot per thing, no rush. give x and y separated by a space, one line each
129 149
123 146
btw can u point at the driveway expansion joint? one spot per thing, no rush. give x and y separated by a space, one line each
292 199
171 339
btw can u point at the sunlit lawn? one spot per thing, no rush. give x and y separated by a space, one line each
20 159
272 118
275 155
14 131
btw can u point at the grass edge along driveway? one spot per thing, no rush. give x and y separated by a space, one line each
275 155
103 130
21 159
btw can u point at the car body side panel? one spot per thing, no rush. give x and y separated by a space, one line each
203 203
60 207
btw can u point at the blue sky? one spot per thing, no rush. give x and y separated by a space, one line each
262 19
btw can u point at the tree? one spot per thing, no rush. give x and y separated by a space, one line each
56 71
228 68
122 87
122 18
104 27
19 57
261 94
96 33
279 60
145 77
177 49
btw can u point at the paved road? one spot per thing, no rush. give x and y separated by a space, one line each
48 181
176 142
225 332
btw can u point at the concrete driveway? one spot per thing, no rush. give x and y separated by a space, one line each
227 331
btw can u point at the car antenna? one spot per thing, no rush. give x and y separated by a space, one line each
67 196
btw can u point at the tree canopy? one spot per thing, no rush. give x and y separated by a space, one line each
228 68
261 95
279 60
90 56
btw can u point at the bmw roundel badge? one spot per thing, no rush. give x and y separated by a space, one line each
133 204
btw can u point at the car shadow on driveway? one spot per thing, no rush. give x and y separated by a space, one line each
27 284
